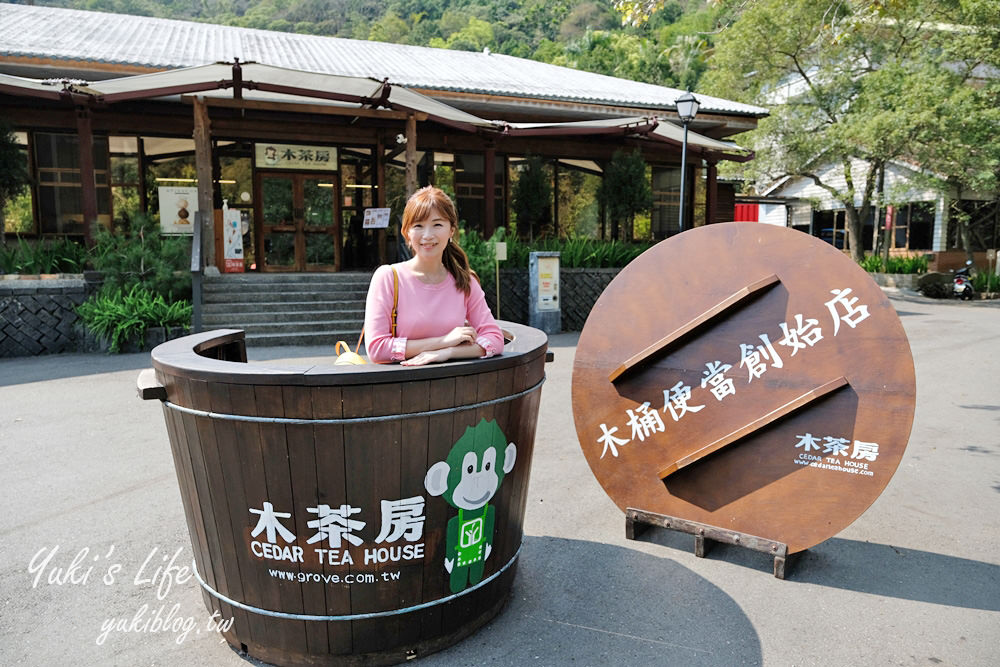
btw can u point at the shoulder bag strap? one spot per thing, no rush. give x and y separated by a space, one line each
395 301
392 321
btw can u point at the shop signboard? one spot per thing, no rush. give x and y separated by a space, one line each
295 156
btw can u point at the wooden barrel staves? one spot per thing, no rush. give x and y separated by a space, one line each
350 514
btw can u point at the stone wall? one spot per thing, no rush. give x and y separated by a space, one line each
578 289
39 316
903 280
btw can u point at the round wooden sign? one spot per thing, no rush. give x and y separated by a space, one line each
748 377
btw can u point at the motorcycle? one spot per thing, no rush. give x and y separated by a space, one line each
961 284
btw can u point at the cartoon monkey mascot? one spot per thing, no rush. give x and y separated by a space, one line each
467 480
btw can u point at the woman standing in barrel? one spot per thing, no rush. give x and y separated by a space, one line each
441 311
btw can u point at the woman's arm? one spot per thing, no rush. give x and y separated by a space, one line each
467 350
489 337
454 338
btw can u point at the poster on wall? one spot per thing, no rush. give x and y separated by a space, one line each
295 156
232 239
177 208
376 218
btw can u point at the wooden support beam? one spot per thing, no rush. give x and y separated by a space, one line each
140 146
323 109
637 521
489 178
555 197
411 154
383 257
711 194
203 170
88 184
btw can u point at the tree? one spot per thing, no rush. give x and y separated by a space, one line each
637 12
13 172
625 192
531 198
856 85
389 28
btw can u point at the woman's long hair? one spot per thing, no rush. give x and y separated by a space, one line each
419 207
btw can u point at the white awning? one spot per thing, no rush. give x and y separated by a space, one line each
258 82
277 84
16 85
650 127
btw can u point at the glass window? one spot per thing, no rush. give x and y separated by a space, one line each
666 202
60 195
921 224
236 180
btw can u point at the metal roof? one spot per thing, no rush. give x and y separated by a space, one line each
118 39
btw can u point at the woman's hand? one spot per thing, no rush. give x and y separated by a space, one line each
458 336
429 357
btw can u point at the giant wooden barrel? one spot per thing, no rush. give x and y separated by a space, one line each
350 514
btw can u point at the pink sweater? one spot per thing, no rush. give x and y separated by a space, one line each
424 311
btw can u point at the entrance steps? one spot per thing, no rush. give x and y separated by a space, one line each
287 308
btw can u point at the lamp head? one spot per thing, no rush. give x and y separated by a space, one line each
687 107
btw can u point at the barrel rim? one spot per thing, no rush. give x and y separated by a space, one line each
185 357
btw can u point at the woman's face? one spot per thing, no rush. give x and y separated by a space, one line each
428 237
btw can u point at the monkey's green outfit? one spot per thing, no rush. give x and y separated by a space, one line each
468 535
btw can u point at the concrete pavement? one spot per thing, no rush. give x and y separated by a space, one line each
87 476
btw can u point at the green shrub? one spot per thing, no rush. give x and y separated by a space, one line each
906 264
480 252
574 253
137 255
871 263
986 282
119 317
49 256
909 264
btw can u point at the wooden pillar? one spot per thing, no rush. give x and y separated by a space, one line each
601 211
506 192
140 147
711 194
555 197
489 176
88 184
383 257
411 154
203 169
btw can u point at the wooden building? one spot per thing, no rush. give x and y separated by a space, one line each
302 134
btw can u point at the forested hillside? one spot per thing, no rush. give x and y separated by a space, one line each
670 49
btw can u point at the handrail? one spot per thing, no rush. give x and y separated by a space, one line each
196 274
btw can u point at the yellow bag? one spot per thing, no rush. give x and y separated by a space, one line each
347 357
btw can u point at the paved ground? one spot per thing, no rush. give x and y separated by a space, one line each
87 475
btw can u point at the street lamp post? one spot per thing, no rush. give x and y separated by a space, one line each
687 108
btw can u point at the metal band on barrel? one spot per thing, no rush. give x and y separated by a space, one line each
354 617
350 420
